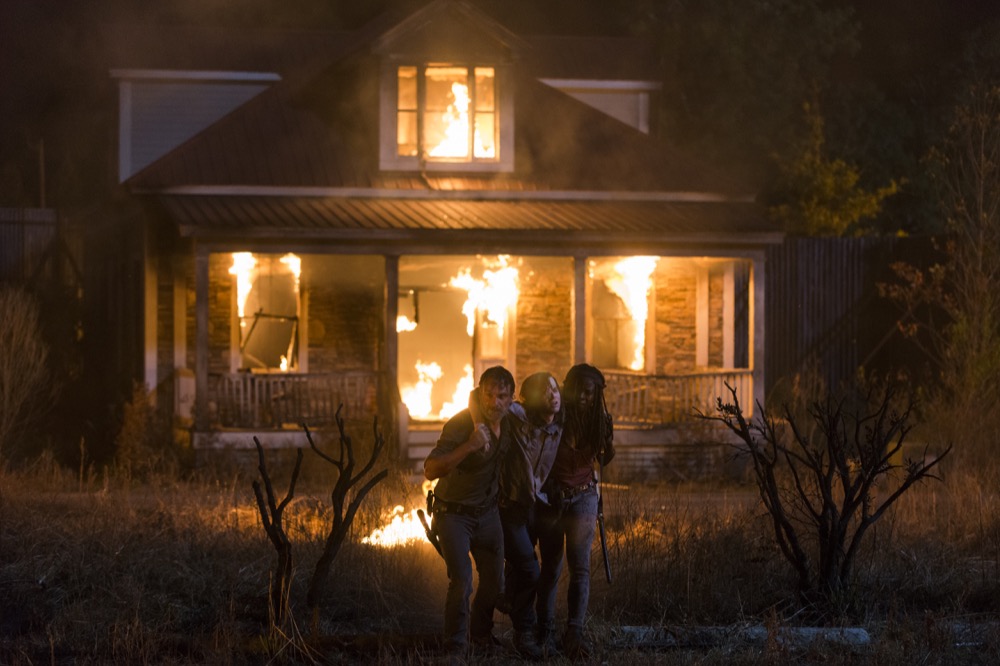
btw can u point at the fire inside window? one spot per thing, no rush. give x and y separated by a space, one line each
267 310
620 291
447 113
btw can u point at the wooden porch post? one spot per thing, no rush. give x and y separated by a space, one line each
701 316
757 330
390 350
729 316
579 309
201 339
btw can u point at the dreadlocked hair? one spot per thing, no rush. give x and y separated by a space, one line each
588 428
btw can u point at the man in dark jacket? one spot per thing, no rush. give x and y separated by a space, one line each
466 464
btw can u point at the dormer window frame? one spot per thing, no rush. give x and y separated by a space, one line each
503 111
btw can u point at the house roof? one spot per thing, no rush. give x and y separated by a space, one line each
281 138
299 136
546 224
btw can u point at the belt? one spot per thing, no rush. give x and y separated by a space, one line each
441 506
573 491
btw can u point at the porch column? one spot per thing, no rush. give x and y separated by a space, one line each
729 316
201 339
701 312
579 310
150 293
757 329
390 350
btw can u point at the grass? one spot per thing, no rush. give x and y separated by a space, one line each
176 572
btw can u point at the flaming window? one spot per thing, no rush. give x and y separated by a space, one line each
620 309
455 319
446 114
267 308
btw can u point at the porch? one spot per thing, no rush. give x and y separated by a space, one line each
645 402
650 411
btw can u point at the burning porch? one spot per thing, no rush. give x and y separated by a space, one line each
290 337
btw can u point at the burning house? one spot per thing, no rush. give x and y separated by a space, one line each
372 218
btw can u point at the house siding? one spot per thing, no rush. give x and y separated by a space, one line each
164 115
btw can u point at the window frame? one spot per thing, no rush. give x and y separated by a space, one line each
390 160
299 363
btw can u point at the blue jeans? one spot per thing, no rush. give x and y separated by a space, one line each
570 526
522 564
481 536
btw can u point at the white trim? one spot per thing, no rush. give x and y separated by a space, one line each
430 194
601 84
192 75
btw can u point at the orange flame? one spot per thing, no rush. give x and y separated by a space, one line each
418 398
402 526
631 282
243 266
404 325
493 295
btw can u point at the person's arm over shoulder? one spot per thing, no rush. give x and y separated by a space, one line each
459 439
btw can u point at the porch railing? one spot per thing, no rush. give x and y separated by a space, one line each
247 400
648 400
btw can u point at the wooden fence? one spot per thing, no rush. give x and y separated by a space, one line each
248 400
824 315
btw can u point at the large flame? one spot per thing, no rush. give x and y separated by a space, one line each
418 398
456 134
402 526
631 282
493 295
456 117
460 399
243 267
294 265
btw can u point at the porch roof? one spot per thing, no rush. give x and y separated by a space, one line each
555 225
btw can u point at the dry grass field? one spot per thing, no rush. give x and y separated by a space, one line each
107 571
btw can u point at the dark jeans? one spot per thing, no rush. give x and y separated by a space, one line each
522 564
483 537
570 525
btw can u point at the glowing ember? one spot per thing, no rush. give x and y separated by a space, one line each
404 325
493 295
460 399
631 283
418 398
243 267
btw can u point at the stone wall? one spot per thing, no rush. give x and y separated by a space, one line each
346 305
545 318
676 335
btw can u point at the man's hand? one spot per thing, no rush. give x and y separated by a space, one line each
480 438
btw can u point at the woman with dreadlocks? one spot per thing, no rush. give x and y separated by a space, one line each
567 523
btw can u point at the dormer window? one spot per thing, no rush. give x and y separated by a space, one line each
441 117
458 120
